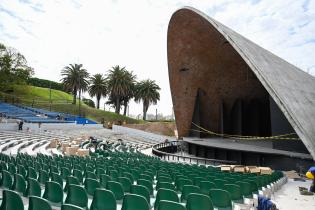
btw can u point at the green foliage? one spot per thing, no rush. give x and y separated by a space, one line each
13 68
98 87
89 102
120 83
75 78
45 83
147 91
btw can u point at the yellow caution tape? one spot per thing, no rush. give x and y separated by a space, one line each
282 137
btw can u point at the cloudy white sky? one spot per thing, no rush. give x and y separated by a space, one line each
103 33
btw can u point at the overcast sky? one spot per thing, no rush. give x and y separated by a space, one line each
103 33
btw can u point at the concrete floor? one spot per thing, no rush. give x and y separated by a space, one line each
289 198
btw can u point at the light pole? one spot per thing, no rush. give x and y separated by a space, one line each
79 95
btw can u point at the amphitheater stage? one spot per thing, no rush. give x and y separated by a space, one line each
282 155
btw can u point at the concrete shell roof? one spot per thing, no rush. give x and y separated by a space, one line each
291 88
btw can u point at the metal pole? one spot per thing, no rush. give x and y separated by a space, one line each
156 114
79 96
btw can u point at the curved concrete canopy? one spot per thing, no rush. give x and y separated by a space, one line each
206 57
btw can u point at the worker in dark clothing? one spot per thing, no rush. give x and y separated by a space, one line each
311 175
21 125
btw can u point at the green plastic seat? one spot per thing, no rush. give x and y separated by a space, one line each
38 203
53 192
78 174
11 168
221 199
77 196
164 179
198 201
70 207
57 178
101 195
245 189
31 173
90 185
219 183
113 174
33 188
181 182
141 190
197 180
104 178
65 172
6 181
147 184
11 201
134 202
170 205
90 175
165 185
129 176
206 186
43 176
165 194
19 184
187 189
71 180
22 171
146 177
235 192
100 171
125 182
116 188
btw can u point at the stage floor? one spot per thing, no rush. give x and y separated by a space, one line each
232 144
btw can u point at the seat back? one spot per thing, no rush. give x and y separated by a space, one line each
206 186
125 182
181 182
165 185
11 201
57 178
33 188
116 188
234 190
134 202
36 203
221 198
43 176
77 196
165 194
70 207
78 174
141 190
187 189
19 183
170 205
198 201
147 184
6 181
104 178
90 185
71 180
53 192
101 195
31 173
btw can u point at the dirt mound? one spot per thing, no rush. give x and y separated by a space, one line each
163 128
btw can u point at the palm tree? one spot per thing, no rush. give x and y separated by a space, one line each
75 79
147 91
120 84
98 88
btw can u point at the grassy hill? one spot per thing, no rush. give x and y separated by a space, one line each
61 102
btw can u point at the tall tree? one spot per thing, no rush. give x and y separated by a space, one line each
147 91
120 85
98 88
13 67
75 78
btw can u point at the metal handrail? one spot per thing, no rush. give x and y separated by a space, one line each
156 150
